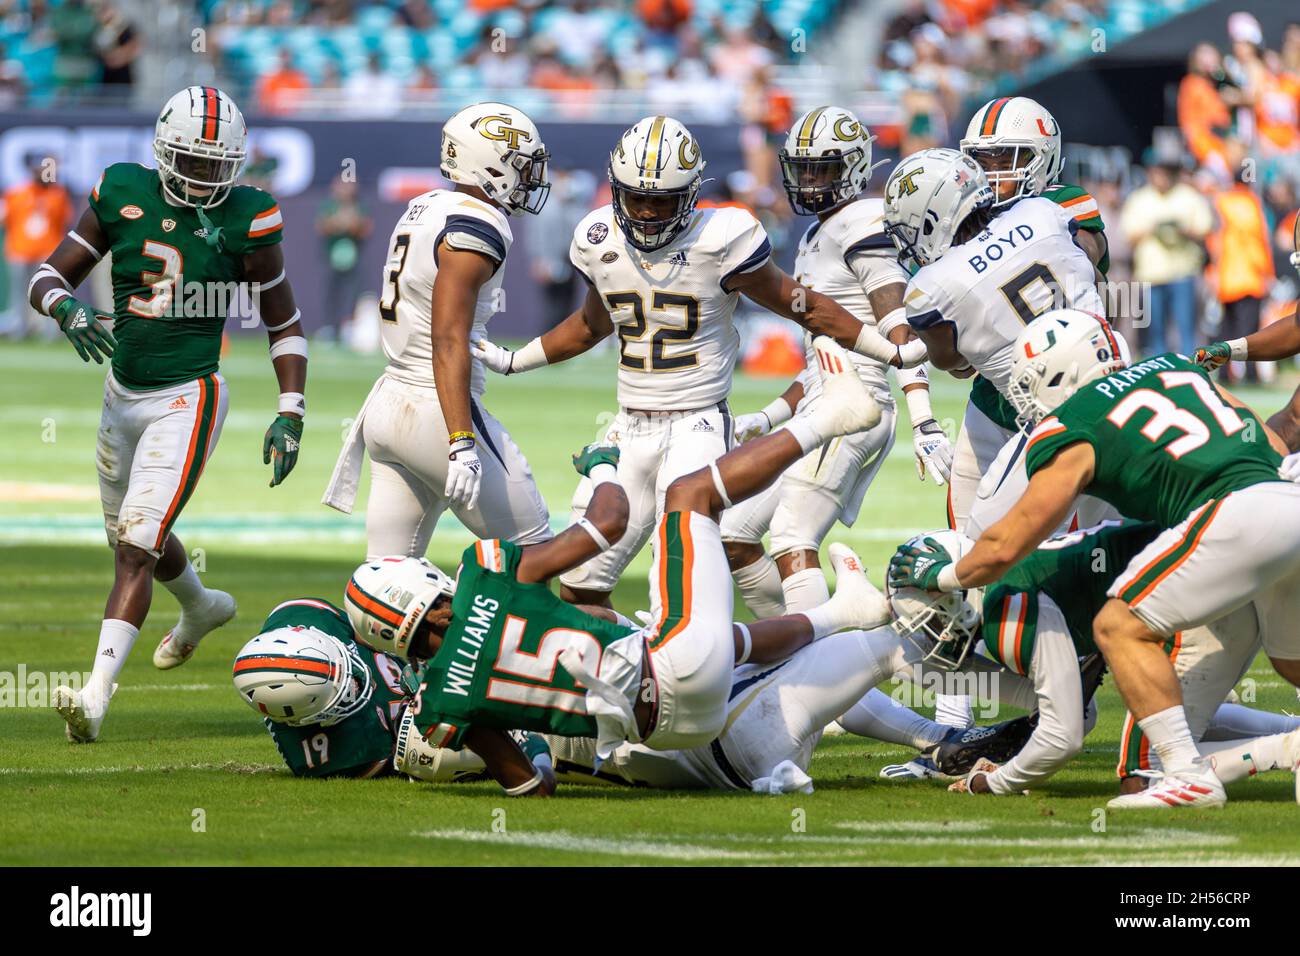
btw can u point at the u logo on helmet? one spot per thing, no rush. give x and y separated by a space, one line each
499 128
1029 348
846 130
688 154
905 185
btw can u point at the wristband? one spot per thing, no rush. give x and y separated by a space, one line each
602 473
947 580
891 320
778 412
592 530
748 641
529 357
874 345
52 298
294 403
527 787
459 436
289 345
918 406
1238 347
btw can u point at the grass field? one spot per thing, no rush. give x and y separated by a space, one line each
185 774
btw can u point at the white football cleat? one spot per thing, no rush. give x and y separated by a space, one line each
860 601
845 406
1195 787
178 644
82 710
922 768
1291 752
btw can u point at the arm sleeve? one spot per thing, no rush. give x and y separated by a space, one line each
1054 669
747 246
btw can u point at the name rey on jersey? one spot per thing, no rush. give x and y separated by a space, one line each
847 258
990 287
405 301
677 343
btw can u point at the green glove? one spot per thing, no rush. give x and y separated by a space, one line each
80 323
281 445
918 567
595 454
1213 356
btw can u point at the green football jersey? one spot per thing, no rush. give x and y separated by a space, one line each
1165 440
985 396
1074 570
355 743
498 665
1085 210
172 287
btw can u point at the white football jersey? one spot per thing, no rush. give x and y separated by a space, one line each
406 299
677 343
989 288
847 257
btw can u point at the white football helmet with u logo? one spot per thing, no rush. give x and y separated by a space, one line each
927 198
657 163
387 598
498 149
826 160
944 626
1057 354
200 144
302 676
1015 140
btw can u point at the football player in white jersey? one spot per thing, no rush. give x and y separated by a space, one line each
667 276
441 284
845 254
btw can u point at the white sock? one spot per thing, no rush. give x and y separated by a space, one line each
760 586
804 432
186 588
805 590
880 716
953 710
1238 759
115 641
1235 722
1171 739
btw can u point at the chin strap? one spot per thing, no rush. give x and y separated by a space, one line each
212 233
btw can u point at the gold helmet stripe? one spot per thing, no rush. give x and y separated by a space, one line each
805 138
654 148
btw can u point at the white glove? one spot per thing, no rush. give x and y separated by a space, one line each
498 359
464 474
751 426
1290 468
933 451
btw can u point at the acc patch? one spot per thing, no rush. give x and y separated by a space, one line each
168 225
597 233
131 212
609 256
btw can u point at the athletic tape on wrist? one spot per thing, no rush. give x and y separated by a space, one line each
919 409
749 644
891 320
293 402
947 580
289 345
1239 349
52 298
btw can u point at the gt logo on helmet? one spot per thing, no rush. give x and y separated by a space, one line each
905 185
499 128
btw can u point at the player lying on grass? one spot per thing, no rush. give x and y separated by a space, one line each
1037 621
505 654
1159 442
334 706
164 398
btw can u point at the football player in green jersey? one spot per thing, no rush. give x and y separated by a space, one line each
185 240
1037 621
1161 443
504 653
1018 144
1271 343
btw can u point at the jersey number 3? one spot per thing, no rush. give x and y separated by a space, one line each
1166 415
392 294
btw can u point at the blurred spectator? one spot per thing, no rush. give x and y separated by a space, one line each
737 58
767 112
664 17
36 216
424 80
281 90
13 80
372 91
119 46
1243 263
344 225
74 25
499 59
1204 96
416 14
549 235
1166 221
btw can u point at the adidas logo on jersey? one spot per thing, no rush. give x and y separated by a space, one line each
702 426
679 258
179 403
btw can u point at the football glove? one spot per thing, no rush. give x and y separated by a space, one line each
751 426
1213 356
982 766
597 453
464 473
915 567
280 445
498 359
81 324
1289 470
933 451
